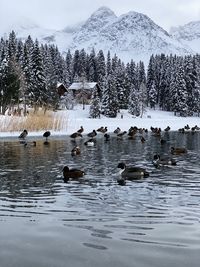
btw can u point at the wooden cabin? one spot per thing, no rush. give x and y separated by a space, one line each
82 91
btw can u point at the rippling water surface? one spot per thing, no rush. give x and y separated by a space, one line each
94 221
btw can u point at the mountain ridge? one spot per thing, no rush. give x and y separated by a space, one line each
131 35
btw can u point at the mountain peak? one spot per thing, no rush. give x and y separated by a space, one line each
96 22
103 12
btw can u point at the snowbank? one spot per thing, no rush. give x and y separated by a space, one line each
73 119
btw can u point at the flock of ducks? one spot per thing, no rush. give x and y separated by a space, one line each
126 172
23 135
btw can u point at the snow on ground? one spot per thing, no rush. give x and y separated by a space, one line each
73 119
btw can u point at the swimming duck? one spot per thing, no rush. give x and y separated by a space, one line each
178 150
76 151
72 173
158 161
92 134
131 173
121 134
90 142
75 135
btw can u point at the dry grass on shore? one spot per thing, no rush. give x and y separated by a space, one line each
33 122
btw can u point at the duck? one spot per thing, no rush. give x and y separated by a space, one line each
23 134
46 134
72 173
117 130
132 173
158 161
92 134
75 135
76 151
80 130
89 142
121 134
167 129
178 150
104 130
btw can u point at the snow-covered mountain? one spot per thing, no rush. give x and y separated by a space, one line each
131 36
188 35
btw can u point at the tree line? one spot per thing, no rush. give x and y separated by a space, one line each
29 73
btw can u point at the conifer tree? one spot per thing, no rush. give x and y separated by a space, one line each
95 107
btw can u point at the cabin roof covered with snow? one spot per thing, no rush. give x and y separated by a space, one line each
83 86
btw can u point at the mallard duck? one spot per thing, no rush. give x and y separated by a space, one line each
158 161
131 173
23 134
92 134
80 130
178 150
90 142
76 151
72 173
117 130
100 129
121 134
75 135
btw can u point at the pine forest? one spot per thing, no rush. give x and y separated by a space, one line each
29 73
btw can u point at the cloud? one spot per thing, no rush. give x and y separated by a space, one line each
57 14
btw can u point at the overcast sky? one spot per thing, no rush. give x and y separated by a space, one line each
57 14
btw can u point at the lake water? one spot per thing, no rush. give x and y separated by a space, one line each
45 222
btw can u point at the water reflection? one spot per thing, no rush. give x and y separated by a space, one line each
154 216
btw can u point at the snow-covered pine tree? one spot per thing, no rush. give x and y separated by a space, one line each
75 66
100 71
95 107
134 101
190 77
92 75
68 64
179 91
153 95
109 98
150 75
39 94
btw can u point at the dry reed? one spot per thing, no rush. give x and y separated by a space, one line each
33 122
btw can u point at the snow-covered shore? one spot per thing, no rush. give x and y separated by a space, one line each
73 119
